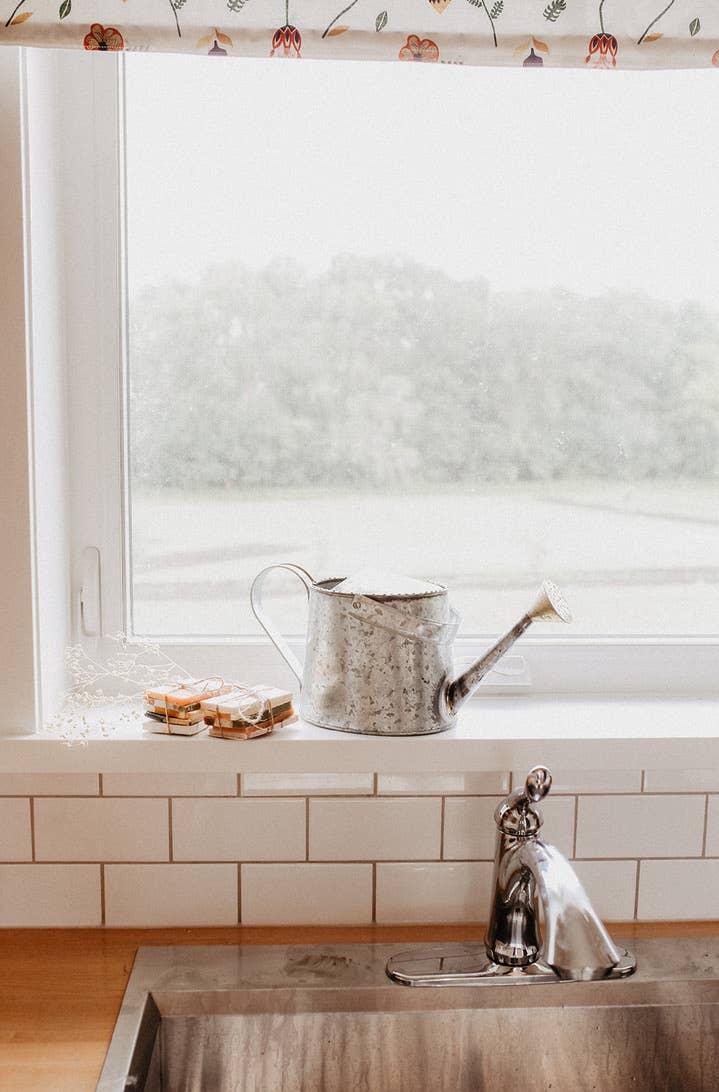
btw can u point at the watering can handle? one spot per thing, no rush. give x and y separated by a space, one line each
274 635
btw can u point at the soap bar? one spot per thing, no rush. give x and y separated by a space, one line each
184 695
177 710
242 715
250 731
157 722
176 718
238 705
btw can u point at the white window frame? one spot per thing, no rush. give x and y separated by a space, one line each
86 176
18 630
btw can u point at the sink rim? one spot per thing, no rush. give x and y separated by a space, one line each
165 980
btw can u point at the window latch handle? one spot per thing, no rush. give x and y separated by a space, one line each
90 594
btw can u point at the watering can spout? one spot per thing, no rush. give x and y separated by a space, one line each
549 605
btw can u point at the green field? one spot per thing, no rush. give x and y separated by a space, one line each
633 558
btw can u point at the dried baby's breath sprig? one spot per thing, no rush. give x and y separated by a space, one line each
107 694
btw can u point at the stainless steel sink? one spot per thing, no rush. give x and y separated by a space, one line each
327 1019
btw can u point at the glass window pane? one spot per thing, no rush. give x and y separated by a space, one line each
459 324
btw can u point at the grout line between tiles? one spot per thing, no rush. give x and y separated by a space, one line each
441 829
706 826
648 857
50 795
239 893
32 829
636 892
414 795
643 781
301 793
169 829
639 795
89 796
576 824
336 860
102 893
375 785
307 828
678 792
100 786
239 785
374 891
281 861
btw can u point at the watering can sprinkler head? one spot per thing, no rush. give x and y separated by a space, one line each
549 606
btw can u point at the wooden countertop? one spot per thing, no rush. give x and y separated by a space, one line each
61 988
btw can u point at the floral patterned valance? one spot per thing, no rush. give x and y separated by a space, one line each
534 33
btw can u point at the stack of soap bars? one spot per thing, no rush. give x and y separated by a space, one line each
177 710
244 715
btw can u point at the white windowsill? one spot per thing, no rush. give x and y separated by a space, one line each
492 734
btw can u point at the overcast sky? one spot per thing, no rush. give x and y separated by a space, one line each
590 180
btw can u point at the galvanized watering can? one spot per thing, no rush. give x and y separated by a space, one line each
381 664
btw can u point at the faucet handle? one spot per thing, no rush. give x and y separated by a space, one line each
515 815
538 783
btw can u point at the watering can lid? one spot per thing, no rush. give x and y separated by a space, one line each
379 582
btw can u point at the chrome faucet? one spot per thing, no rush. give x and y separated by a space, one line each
532 880
528 874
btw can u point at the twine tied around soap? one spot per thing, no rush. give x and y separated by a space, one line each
264 706
217 682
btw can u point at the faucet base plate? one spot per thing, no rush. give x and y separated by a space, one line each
469 965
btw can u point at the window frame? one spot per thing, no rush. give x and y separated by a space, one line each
91 193
19 632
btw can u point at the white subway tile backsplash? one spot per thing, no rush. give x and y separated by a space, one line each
611 886
49 784
15 834
97 829
712 846
306 894
469 828
155 875
558 826
238 830
433 892
588 781
678 890
175 784
443 784
48 895
171 894
307 784
640 826
681 780
375 830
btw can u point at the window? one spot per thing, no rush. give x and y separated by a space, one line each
422 320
